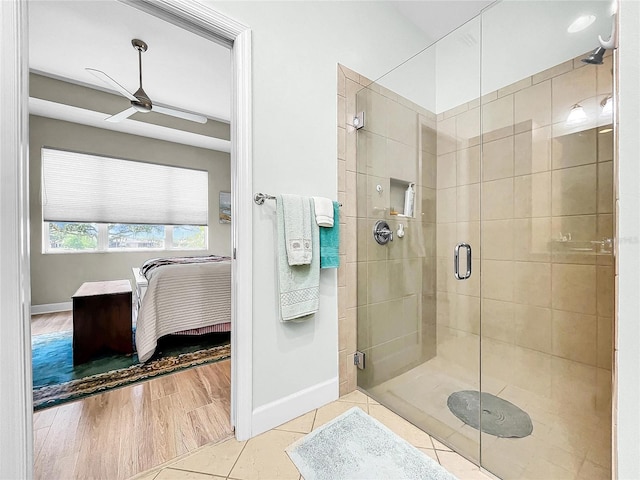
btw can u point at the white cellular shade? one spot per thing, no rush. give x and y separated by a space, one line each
78 187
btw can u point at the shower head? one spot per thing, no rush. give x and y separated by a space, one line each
596 57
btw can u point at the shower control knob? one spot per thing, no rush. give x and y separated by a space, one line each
382 233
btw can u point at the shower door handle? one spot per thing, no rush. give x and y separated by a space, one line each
456 261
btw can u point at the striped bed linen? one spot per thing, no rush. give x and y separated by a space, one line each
151 264
183 297
219 328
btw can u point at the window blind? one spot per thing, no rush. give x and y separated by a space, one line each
78 187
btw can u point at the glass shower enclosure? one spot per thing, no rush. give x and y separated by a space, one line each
485 305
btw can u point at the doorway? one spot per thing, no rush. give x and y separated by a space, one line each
207 23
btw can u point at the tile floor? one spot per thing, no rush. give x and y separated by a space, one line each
263 457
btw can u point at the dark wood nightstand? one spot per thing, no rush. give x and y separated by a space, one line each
101 319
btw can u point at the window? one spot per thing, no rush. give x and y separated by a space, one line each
71 237
122 236
92 203
188 237
64 237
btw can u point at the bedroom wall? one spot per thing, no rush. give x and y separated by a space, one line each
55 277
296 49
66 93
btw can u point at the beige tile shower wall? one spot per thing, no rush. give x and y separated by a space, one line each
348 84
395 284
546 212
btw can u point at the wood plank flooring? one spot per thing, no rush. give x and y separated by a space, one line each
51 323
117 434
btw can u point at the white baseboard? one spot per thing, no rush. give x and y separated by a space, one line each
276 413
51 308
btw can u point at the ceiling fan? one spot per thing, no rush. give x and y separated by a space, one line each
140 102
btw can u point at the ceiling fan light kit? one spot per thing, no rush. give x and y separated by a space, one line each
140 101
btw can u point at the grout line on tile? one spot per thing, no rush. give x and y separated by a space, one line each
238 457
182 456
445 449
433 445
313 424
157 472
437 456
190 471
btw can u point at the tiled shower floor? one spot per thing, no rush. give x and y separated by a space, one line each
565 444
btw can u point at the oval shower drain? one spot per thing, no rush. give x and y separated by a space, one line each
499 417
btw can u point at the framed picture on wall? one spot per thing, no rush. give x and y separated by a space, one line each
225 207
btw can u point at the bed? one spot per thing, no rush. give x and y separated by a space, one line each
186 295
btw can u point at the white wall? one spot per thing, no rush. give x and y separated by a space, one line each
296 48
628 258
415 79
515 40
512 40
520 39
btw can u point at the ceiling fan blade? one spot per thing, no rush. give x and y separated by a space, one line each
179 114
111 82
118 117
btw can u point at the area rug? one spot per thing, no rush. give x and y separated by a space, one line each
357 446
56 380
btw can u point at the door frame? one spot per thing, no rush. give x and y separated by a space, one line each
16 405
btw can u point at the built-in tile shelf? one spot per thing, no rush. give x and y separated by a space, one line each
397 189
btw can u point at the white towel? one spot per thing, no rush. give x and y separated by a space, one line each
299 285
324 211
297 229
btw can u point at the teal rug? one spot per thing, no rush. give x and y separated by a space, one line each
57 380
357 446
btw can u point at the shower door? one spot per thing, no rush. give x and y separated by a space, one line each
547 229
504 356
418 309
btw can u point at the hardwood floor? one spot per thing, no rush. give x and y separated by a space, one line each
120 433
51 323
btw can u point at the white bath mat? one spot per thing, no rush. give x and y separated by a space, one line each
357 446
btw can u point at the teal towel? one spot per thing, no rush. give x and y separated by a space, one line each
299 285
330 241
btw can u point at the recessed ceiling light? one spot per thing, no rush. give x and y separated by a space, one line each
580 23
